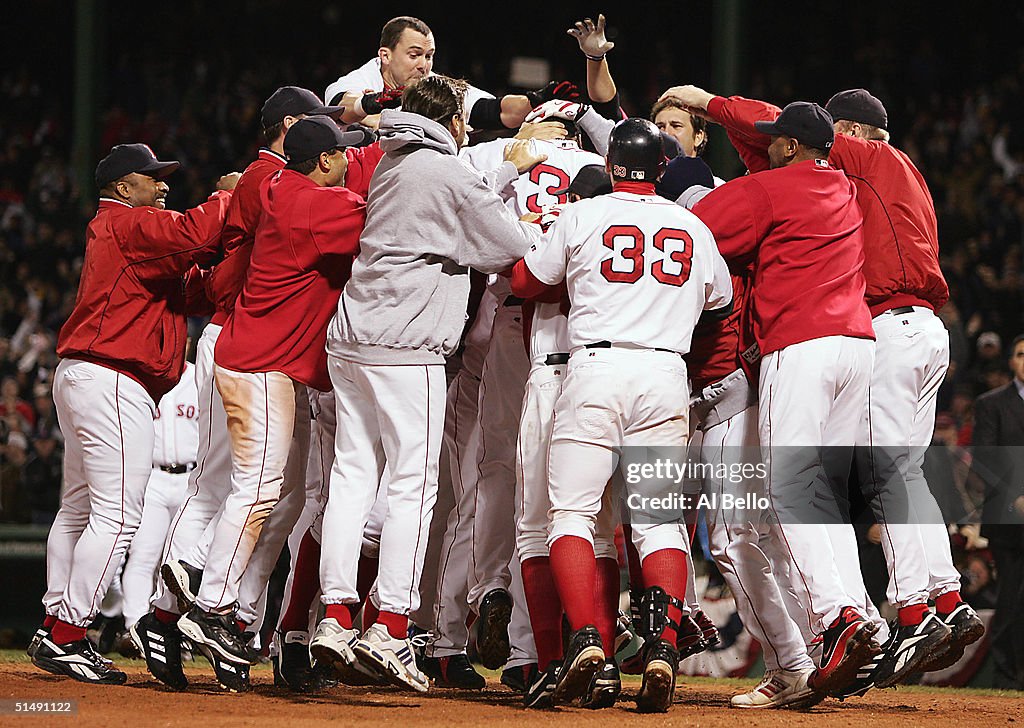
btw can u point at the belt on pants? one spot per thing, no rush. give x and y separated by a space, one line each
512 301
553 360
609 345
177 468
899 311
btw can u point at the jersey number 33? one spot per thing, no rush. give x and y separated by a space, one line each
627 264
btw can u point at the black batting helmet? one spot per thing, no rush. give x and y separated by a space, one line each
635 151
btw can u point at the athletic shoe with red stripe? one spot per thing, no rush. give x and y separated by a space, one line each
846 645
778 689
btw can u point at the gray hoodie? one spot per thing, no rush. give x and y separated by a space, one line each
429 218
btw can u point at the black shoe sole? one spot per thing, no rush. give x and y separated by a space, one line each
493 645
955 649
576 680
860 648
604 697
927 650
657 689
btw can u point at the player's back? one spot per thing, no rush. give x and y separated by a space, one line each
545 184
640 270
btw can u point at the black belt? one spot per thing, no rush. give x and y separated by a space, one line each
901 310
177 469
513 301
556 359
608 345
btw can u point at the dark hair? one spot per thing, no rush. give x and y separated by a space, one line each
436 97
394 28
819 153
699 123
1019 338
304 167
273 132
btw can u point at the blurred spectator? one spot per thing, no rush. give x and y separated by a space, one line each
12 506
42 481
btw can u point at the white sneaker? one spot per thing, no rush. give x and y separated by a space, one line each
332 645
779 688
392 657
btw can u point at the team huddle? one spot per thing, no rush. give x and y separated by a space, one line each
430 369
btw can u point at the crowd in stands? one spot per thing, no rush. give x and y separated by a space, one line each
963 141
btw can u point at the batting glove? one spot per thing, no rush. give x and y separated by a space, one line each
590 36
564 90
557 109
374 103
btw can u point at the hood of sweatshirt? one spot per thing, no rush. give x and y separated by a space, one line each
401 131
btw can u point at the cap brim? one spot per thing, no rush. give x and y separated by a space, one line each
326 111
159 170
768 127
564 190
350 139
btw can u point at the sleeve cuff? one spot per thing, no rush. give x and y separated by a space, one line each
716 106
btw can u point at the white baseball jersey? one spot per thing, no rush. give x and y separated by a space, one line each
368 79
177 423
639 269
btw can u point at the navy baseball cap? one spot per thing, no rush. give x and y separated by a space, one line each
128 158
856 104
808 123
590 181
308 138
292 101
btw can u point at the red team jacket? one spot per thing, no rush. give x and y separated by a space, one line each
225 283
302 256
807 259
130 312
900 232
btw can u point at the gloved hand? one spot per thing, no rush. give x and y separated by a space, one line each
681 174
557 109
389 98
591 38
565 90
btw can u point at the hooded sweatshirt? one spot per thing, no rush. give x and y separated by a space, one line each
429 219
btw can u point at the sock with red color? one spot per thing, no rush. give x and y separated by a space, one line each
370 612
48 621
341 613
667 568
165 617
64 633
545 609
365 577
397 624
575 570
305 585
946 603
913 615
607 592
636 578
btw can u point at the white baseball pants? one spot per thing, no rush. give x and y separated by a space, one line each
266 412
107 421
164 496
911 359
393 417
813 396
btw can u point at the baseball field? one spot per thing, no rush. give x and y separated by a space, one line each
698 701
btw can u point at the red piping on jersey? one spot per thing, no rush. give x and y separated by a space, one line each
637 188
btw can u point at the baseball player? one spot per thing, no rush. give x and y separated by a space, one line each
174 457
122 348
811 325
625 258
192 530
265 360
406 54
401 313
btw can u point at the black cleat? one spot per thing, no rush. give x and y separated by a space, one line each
232 676
37 638
518 678
966 627
708 630
605 687
78 660
160 644
492 642
183 580
659 684
690 638
847 645
292 668
219 632
910 647
541 687
584 657
454 671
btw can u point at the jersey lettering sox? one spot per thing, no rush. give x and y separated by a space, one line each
177 423
639 269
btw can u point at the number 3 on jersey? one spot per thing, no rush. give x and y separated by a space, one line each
626 264
560 182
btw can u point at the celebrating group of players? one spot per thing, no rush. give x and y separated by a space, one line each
516 319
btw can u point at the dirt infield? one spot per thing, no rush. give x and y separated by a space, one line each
143 702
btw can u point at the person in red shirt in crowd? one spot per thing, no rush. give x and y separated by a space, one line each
122 348
799 224
271 349
904 287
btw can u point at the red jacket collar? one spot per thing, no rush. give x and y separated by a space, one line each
107 203
637 188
